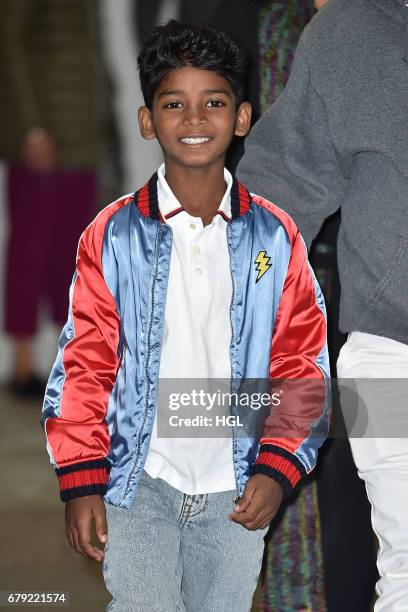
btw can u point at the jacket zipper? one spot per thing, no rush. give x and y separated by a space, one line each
137 450
231 372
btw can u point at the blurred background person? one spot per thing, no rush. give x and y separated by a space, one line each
54 113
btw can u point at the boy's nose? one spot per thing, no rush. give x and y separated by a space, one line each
195 117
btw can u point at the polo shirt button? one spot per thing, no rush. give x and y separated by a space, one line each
198 271
197 249
192 226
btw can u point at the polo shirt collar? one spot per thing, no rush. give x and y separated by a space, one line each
170 207
235 203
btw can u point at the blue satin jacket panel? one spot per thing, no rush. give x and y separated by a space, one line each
136 261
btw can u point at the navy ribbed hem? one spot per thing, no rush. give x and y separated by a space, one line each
278 450
260 468
96 489
94 464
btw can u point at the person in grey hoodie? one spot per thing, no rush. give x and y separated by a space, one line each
338 137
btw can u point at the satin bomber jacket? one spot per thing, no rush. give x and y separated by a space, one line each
100 400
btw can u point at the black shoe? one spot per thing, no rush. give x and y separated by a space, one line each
30 388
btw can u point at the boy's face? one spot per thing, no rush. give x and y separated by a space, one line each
194 117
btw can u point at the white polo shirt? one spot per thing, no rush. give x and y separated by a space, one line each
196 340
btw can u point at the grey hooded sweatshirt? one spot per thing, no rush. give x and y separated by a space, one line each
338 136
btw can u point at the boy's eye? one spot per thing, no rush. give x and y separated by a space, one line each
173 105
215 103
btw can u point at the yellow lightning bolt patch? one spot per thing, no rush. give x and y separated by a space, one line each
262 264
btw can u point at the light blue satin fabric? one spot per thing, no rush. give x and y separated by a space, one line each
52 401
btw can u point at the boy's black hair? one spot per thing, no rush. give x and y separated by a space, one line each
176 45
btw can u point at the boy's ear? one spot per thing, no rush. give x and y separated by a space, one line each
243 121
146 123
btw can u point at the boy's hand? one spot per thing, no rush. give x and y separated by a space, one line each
80 514
259 503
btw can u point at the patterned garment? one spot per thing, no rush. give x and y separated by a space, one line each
293 567
292 577
280 23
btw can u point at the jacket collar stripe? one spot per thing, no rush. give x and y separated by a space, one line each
235 207
154 211
142 200
240 199
175 212
146 200
244 198
223 215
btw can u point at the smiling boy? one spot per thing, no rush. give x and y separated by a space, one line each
192 277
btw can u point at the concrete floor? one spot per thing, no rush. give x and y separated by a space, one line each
34 552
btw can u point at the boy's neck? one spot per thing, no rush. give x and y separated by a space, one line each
199 190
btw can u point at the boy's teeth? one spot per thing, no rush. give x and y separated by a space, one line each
195 140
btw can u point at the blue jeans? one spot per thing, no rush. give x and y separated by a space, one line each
172 552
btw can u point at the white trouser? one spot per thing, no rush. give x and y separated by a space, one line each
382 462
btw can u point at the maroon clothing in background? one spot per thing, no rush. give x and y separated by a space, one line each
47 213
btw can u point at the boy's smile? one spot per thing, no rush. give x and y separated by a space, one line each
194 117
195 141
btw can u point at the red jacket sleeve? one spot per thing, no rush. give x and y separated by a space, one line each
83 376
299 359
